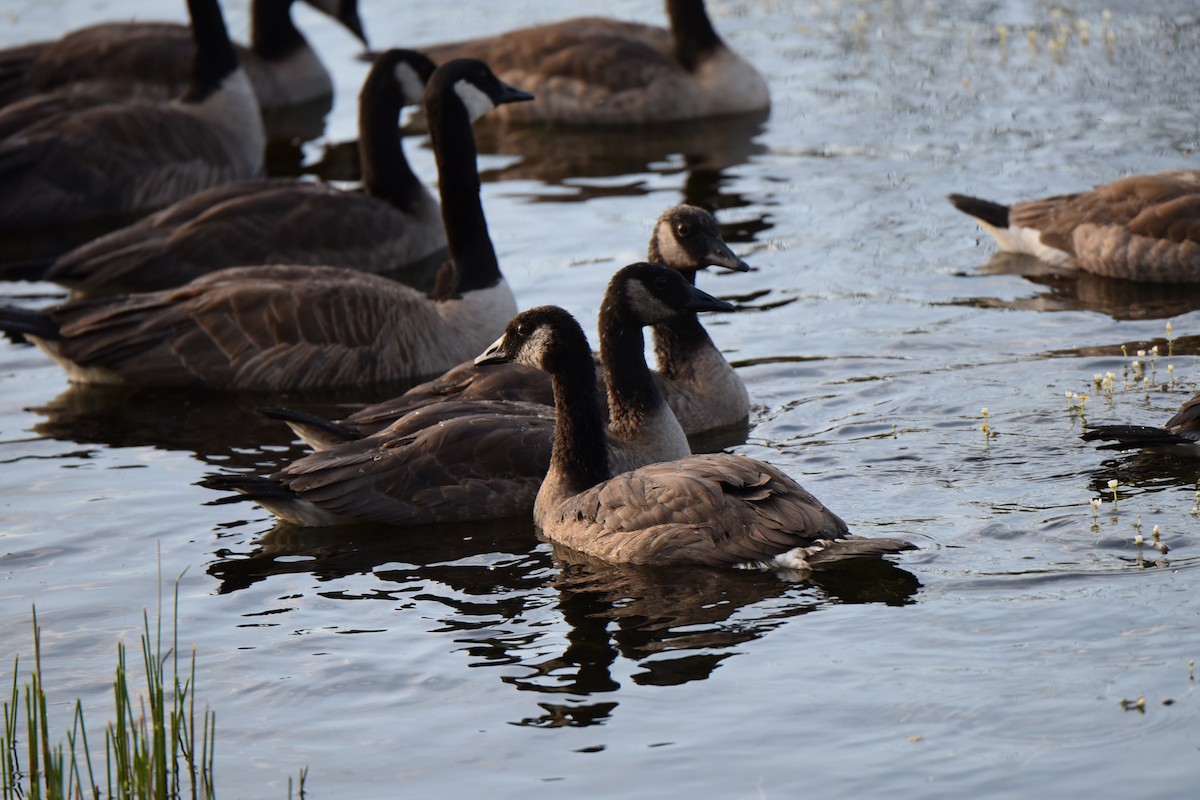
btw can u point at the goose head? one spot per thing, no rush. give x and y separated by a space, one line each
547 337
687 238
345 12
400 75
477 87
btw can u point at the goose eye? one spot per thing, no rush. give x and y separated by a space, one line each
522 329
684 230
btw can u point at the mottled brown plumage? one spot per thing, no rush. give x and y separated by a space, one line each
592 70
712 510
1140 228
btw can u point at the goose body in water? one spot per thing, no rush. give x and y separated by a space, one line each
720 510
152 60
1140 228
287 327
73 159
597 71
701 387
1180 435
484 459
393 223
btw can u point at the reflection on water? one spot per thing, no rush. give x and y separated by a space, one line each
223 429
677 625
1076 290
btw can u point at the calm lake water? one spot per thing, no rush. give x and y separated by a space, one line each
1003 659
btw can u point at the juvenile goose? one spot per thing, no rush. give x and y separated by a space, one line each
152 59
1140 228
392 224
484 459
713 510
700 386
133 156
1179 436
287 327
596 71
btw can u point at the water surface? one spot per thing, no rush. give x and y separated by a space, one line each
996 661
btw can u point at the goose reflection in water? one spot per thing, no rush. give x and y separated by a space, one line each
494 579
1075 290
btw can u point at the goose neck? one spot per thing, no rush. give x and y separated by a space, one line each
580 453
466 228
632 393
213 58
385 169
692 34
273 34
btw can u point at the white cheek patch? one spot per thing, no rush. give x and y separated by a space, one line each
476 101
411 85
535 348
672 252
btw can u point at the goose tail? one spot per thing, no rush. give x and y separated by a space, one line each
993 214
28 322
317 432
1130 437
272 495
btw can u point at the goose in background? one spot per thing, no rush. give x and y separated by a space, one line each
719 510
1179 436
597 71
701 387
393 226
1140 228
280 327
103 160
484 459
153 59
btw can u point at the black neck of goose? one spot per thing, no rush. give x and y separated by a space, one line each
580 452
214 58
386 172
458 181
632 393
273 35
692 34
676 340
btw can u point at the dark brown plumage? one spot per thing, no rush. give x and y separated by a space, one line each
89 160
485 459
152 60
700 386
1140 228
393 226
287 327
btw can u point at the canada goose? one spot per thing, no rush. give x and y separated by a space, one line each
393 223
484 459
1179 436
597 71
713 510
1140 228
152 59
286 327
700 386
133 156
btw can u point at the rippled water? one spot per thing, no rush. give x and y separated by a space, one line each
993 662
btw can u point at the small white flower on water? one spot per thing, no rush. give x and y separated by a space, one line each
1168 329
1112 484
983 411
1141 353
1154 350
1097 502
1155 532
1138 540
